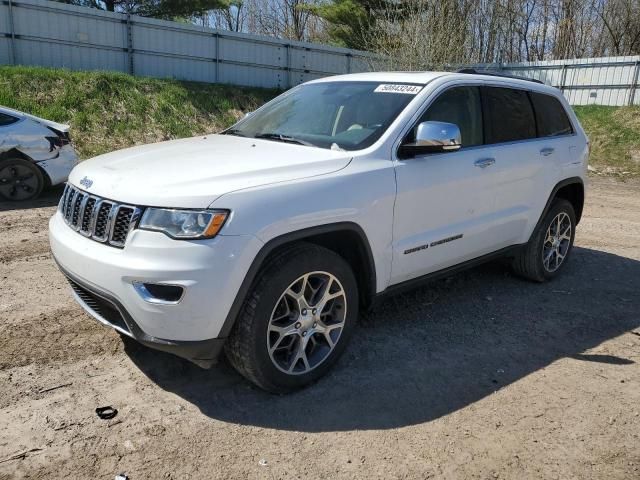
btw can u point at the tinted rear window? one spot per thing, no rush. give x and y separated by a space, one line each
551 117
7 119
508 115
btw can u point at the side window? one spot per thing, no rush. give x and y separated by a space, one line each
459 105
7 119
551 117
508 115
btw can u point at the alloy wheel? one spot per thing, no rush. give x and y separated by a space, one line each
556 242
306 323
18 182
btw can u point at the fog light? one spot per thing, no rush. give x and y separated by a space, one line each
161 293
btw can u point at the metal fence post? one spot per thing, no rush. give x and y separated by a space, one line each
288 66
12 41
563 77
634 84
216 35
130 44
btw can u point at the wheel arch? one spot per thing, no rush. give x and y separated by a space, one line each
347 239
15 153
572 190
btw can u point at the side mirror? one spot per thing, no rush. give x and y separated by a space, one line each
433 137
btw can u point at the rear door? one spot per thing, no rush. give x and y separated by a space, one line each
558 140
519 169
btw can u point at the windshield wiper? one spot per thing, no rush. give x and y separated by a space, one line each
234 131
283 138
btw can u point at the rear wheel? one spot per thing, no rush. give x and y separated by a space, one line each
550 245
20 179
296 321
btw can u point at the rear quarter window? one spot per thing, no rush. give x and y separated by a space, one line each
7 119
508 115
551 117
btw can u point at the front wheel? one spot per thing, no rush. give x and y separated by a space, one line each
550 245
297 320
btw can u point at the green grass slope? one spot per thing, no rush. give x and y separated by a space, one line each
108 111
615 138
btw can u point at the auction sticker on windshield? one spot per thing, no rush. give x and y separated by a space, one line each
398 88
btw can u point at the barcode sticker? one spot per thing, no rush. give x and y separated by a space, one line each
398 88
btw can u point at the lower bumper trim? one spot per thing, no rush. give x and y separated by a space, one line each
105 308
203 353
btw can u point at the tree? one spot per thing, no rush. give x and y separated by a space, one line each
292 19
351 22
167 9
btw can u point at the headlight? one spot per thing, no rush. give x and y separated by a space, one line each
184 224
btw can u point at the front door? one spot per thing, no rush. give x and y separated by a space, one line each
445 203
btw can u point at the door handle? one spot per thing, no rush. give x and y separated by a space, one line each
484 162
545 152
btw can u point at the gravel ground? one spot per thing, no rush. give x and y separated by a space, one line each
481 375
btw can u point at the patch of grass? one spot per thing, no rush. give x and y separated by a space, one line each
615 138
109 110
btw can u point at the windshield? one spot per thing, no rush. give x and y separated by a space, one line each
338 115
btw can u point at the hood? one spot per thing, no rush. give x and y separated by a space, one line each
193 172
47 123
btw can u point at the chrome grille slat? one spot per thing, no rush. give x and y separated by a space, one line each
83 205
87 210
101 232
111 220
63 200
96 218
75 210
121 225
70 201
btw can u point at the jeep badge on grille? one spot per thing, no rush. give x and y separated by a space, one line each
86 182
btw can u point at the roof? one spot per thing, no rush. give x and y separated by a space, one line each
398 77
422 78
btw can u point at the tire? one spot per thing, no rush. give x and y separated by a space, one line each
281 343
537 260
20 180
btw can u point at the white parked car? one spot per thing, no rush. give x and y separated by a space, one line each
34 153
268 239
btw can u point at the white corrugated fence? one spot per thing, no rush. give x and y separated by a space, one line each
585 81
52 34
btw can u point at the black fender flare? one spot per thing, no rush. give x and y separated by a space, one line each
277 242
554 191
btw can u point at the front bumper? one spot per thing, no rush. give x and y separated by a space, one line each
110 312
210 271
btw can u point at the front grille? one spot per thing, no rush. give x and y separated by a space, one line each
102 307
96 218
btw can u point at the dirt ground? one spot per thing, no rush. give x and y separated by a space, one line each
481 375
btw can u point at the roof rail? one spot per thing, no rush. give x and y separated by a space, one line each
473 71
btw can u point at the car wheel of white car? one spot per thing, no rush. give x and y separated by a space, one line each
550 245
19 179
297 320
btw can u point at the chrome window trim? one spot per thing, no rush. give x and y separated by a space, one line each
448 85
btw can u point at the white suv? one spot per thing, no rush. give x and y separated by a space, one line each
268 239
